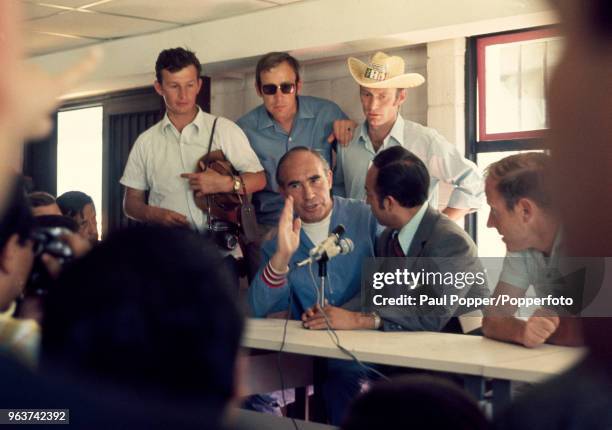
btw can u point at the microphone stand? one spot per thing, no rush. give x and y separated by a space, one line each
322 275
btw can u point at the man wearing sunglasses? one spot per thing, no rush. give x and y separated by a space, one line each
284 121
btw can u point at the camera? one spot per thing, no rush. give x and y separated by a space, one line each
47 240
224 234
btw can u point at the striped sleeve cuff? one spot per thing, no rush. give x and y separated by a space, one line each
272 278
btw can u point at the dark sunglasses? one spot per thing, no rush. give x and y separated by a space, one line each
270 89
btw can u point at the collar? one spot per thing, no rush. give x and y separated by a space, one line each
395 136
407 232
332 218
556 248
199 121
265 119
318 224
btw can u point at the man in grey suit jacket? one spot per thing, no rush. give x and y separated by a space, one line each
433 275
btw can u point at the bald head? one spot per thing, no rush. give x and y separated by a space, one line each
299 151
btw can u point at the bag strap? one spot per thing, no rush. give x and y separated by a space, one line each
210 141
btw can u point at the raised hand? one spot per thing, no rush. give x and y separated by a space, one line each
288 237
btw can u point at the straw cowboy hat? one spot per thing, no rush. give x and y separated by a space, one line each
383 71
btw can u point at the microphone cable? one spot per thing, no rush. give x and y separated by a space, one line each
334 335
278 359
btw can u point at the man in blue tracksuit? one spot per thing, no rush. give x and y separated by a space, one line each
305 181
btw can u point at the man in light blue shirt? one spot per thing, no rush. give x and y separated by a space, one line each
383 86
284 121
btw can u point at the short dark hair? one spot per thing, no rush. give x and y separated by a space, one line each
40 198
425 400
287 155
150 309
17 216
522 176
175 59
273 59
401 175
71 203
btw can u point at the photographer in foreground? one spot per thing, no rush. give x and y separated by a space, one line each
23 244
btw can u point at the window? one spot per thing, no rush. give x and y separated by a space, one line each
513 71
79 154
506 80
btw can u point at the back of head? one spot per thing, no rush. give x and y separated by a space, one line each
40 198
273 59
401 175
71 203
415 401
149 309
523 176
175 59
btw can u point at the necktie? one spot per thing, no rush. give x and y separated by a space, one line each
396 248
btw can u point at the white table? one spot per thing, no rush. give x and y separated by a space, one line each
455 353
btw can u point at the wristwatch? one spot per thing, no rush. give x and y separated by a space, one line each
377 320
237 184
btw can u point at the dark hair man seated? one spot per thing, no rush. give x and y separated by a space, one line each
523 213
150 313
422 240
80 207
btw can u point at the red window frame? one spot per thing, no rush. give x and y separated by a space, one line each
481 45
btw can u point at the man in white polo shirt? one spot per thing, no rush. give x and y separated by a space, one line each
164 158
382 88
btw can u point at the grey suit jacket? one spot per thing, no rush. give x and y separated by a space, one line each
439 246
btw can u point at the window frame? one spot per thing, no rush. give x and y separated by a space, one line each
484 41
502 142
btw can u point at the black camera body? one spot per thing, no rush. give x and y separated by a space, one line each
224 234
47 240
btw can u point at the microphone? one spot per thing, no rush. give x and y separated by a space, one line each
330 247
317 252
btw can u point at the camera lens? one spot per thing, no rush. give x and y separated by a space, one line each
230 241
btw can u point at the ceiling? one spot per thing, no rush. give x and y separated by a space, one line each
59 25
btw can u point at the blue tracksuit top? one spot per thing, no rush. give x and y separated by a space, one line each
343 272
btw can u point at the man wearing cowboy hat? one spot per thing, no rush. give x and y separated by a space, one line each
383 84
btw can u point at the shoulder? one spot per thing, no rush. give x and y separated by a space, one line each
249 119
226 129
322 106
354 213
351 206
416 132
226 124
450 239
147 136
